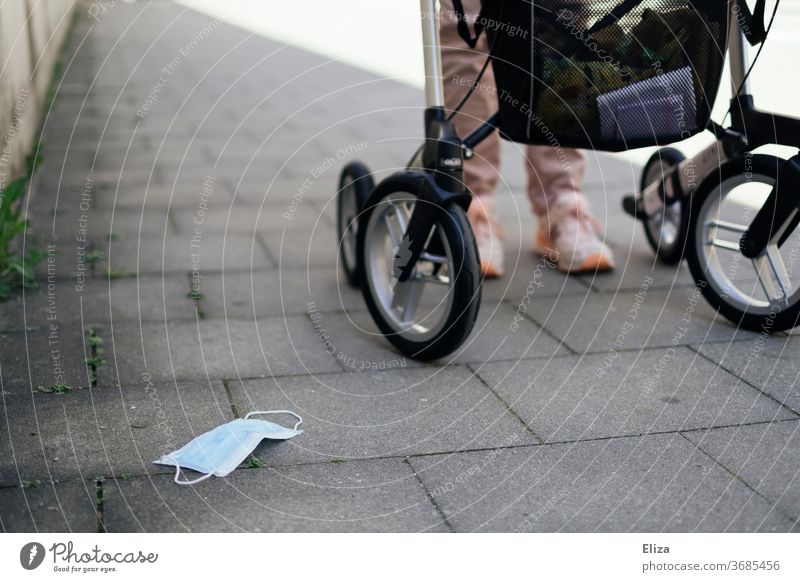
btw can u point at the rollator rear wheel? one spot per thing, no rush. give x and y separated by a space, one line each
432 314
355 184
761 294
665 231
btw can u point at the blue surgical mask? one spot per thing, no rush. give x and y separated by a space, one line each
221 450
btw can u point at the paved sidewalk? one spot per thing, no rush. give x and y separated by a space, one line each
187 198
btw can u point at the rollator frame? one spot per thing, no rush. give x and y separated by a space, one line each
434 177
749 129
443 153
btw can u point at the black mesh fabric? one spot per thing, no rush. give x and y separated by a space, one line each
579 73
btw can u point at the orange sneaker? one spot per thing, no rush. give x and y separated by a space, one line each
488 236
573 242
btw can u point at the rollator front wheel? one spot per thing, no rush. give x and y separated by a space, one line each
355 184
761 294
666 230
432 314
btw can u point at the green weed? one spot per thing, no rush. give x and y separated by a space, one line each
16 267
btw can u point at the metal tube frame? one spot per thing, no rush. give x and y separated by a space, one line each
432 54
749 129
441 158
738 58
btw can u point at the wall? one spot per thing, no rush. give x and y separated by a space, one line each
31 34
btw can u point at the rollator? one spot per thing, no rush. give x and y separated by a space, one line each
602 75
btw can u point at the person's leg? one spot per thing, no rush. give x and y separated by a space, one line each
568 234
461 66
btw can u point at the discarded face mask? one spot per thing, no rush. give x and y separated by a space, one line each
220 450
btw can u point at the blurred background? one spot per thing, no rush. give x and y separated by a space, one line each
384 38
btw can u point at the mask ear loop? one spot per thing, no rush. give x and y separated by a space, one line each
297 416
178 473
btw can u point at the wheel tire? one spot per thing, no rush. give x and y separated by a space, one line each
760 165
465 286
355 181
670 254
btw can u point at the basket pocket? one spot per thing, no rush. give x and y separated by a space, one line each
606 74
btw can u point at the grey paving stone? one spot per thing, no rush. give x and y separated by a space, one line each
146 176
188 195
622 233
247 219
612 170
647 484
146 298
765 456
283 179
42 357
261 165
49 508
633 265
388 413
183 254
529 277
276 292
495 337
596 396
121 225
104 432
767 362
214 349
118 246
60 259
92 242
354 335
646 318
121 187
295 160
314 248
170 163
380 495
354 340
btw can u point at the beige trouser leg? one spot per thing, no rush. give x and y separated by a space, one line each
461 66
553 173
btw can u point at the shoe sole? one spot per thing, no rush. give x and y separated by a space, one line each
594 263
489 271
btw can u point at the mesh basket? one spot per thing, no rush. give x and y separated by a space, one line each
605 74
